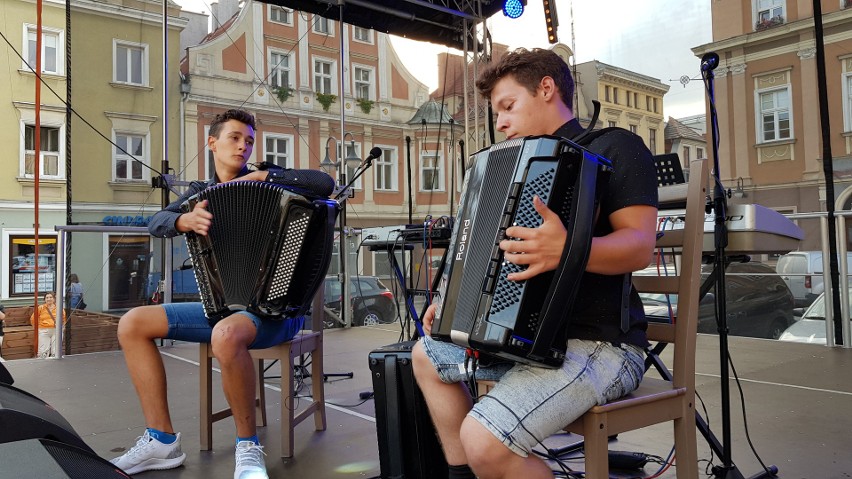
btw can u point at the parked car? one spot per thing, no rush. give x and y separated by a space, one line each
759 304
372 301
802 271
811 327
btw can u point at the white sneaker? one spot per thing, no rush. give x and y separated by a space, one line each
249 461
150 454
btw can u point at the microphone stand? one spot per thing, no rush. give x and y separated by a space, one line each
720 238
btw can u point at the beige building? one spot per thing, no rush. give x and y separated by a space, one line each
770 138
117 77
629 100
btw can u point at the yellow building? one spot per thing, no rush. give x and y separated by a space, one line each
116 74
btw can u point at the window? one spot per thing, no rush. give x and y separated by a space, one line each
363 83
635 100
431 172
49 152
386 170
686 156
769 13
322 25
362 34
607 93
209 163
774 119
633 128
648 103
847 104
22 250
131 63
615 95
611 124
652 140
280 15
279 69
629 99
51 50
278 150
699 153
323 76
130 157
655 106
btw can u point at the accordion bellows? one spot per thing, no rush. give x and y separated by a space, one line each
267 251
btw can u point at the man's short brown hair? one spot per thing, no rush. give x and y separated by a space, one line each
528 67
234 114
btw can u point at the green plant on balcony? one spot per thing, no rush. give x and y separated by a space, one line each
365 104
768 22
326 99
283 93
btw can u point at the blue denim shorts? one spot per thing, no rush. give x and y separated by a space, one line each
187 322
530 403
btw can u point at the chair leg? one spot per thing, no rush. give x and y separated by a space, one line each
260 388
318 387
288 392
596 446
686 449
206 397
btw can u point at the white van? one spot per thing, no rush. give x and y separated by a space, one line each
802 271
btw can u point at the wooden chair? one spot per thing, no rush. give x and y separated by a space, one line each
307 341
658 400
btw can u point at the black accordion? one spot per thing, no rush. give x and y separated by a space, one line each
523 321
267 250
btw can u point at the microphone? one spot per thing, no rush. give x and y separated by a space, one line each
375 153
709 61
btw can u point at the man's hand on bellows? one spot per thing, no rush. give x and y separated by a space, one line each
538 248
198 220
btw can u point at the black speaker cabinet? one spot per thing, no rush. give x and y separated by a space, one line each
408 444
24 416
43 458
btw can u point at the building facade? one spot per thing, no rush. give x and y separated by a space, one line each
767 98
101 174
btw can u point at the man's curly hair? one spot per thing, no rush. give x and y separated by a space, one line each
528 67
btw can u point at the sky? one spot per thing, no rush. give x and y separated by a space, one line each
651 37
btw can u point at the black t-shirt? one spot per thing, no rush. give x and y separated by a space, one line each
597 309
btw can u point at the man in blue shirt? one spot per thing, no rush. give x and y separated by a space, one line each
232 137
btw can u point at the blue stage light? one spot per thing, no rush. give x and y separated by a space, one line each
513 8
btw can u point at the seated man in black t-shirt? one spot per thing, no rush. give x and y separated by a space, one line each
531 93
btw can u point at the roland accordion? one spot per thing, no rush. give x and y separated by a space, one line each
267 250
522 321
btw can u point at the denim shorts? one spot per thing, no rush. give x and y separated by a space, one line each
187 322
530 403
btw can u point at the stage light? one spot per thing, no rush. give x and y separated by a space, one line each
552 21
513 8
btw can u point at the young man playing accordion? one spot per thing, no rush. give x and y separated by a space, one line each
531 93
232 137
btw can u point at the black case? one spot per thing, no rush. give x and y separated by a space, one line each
408 444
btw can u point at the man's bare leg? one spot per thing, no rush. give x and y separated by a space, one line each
448 404
230 341
137 330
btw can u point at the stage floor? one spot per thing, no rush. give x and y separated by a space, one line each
798 404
